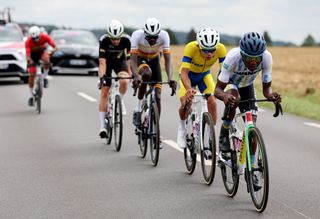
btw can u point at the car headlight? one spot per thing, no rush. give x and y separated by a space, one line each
95 54
58 53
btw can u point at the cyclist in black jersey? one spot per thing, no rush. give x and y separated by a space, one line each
113 56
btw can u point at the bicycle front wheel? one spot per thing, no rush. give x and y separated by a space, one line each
108 124
190 155
208 151
154 134
38 95
118 123
258 177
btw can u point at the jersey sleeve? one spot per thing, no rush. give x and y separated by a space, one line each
102 47
50 41
187 56
128 47
227 67
28 47
166 43
267 67
221 54
134 42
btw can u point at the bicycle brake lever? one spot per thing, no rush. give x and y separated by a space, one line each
278 110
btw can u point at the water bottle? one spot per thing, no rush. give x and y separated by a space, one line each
242 157
146 118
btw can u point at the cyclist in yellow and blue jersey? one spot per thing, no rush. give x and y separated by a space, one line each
199 56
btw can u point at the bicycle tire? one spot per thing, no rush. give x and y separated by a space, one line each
208 165
118 123
143 136
154 134
108 121
260 167
229 173
38 95
190 157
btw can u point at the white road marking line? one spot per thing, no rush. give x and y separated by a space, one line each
261 110
312 124
175 146
87 97
50 77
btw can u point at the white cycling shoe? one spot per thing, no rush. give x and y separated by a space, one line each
103 133
181 137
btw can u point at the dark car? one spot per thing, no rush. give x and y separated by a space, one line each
77 52
13 62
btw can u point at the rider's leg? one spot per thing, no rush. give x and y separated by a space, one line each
45 57
103 104
224 143
158 97
183 113
212 107
32 74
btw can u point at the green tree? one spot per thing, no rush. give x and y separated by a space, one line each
267 38
173 39
192 35
309 41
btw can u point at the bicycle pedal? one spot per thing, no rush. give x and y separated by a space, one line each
207 154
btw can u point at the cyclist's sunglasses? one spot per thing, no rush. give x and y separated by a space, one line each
36 38
115 38
247 58
148 37
208 50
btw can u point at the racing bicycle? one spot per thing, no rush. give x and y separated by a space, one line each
113 118
149 129
248 157
200 138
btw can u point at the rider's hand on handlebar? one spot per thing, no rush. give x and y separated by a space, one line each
173 85
274 97
229 99
190 94
135 83
102 82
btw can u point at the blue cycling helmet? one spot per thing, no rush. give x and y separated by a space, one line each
253 44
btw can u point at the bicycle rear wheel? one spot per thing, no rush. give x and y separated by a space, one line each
208 151
229 169
154 134
143 140
108 124
258 177
190 156
118 123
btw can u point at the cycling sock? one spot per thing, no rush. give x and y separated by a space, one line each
31 92
183 123
102 115
45 73
226 124
138 106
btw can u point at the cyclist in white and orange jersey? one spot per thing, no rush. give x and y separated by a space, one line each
146 45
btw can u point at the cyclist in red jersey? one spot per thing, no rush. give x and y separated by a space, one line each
36 49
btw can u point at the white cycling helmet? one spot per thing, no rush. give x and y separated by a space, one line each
208 38
152 27
115 29
34 32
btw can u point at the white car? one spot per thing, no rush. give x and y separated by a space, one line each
13 62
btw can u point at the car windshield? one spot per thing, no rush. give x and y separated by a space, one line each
10 34
75 37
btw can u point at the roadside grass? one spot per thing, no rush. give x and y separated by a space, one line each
307 105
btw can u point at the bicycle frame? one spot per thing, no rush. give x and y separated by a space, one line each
198 117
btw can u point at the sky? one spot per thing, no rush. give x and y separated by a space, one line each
285 20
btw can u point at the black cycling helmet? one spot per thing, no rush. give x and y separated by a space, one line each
253 44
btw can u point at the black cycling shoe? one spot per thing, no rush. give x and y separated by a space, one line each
30 101
224 143
207 153
137 118
256 186
45 83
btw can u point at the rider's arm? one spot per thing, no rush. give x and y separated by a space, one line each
102 67
128 57
50 41
219 90
134 65
185 78
222 54
168 66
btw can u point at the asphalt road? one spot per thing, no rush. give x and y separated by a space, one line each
54 165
